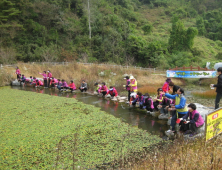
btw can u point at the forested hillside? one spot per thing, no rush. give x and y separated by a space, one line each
157 33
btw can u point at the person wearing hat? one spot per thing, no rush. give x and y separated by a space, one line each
133 84
158 99
166 85
180 106
128 87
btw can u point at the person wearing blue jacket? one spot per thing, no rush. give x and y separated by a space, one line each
180 106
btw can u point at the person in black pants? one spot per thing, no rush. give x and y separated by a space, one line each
219 88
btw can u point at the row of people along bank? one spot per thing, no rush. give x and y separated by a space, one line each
171 105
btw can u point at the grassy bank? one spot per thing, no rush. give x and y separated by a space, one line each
47 132
78 72
192 154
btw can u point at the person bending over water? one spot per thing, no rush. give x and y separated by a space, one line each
72 86
148 104
112 91
103 89
180 105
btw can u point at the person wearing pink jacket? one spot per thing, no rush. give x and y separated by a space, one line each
63 86
39 83
49 76
72 86
17 72
191 121
53 82
44 78
103 89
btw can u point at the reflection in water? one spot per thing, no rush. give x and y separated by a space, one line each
130 115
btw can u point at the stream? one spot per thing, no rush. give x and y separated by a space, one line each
131 115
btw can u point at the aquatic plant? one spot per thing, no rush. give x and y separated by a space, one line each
47 132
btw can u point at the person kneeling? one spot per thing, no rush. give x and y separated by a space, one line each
112 91
83 86
148 104
64 85
195 121
103 89
139 100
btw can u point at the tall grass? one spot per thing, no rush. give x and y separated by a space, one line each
90 73
210 94
185 154
151 89
5 77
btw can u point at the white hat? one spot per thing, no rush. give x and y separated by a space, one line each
131 77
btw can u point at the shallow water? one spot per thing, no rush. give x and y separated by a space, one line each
133 116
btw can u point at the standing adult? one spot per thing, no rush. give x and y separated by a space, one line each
128 87
44 78
166 85
49 75
219 88
133 84
17 72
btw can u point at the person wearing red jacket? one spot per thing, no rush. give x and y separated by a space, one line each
72 86
166 87
39 83
112 91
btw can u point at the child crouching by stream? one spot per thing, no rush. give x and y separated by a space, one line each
139 100
148 103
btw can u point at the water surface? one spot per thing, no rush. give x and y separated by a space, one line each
133 116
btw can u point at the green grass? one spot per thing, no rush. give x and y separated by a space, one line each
40 131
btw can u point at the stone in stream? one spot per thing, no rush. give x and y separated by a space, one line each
121 101
121 98
163 116
16 83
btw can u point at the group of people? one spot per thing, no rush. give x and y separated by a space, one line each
49 81
173 105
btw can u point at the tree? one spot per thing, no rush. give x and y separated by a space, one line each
180 38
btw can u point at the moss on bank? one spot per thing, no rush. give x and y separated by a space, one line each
47 132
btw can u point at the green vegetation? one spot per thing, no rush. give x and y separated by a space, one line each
141 32
47 132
